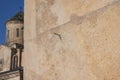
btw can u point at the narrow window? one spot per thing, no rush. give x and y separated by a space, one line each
1 64
22 28
8 34
17 32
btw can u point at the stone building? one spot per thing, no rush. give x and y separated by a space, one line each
11 53
72 40
14 29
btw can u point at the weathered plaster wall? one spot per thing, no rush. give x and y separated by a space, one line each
51 13
86 47
5 54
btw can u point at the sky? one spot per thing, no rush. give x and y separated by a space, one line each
8 8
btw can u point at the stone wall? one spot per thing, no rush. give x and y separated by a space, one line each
5 55
51 13
82 44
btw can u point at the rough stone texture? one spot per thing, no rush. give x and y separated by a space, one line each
51 13
5 54
84 47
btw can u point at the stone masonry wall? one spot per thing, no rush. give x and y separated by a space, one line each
79 46
5 55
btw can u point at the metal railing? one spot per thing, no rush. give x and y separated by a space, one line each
12 74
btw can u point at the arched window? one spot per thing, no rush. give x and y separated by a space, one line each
14 62
17 32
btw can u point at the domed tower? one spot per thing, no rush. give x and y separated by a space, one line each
14 29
